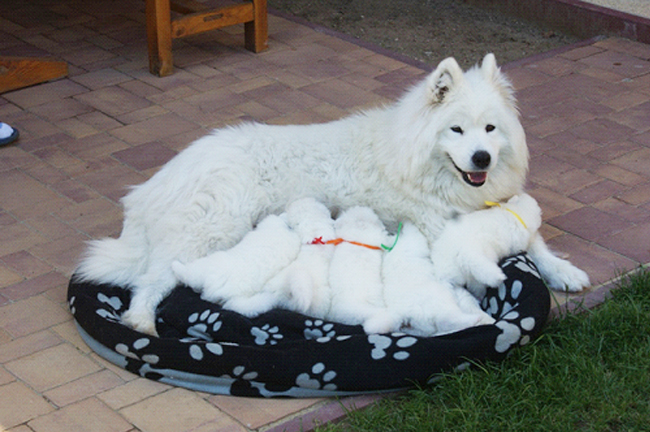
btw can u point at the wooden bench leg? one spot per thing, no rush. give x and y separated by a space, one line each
256 31
159 37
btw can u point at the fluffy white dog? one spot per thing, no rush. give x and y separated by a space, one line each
242 271
303 285
468 250
425 305
355 272
448 145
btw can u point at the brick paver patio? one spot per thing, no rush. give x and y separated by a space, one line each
110 124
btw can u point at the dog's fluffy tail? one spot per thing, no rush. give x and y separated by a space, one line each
112 261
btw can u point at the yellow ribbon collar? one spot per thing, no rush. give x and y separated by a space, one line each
496 204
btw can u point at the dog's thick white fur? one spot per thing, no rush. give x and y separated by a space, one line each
450 143
355 277
303 284
468 250
425 305
225 276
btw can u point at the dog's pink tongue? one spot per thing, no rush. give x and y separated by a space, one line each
477 177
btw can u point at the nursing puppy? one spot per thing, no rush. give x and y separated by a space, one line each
449 144
303 285
425 306
355 273
242 271
468 250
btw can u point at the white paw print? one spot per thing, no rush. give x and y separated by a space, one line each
522 263
114 306
319 378
137 346
319 330
239 373
266 333
202 322
381 344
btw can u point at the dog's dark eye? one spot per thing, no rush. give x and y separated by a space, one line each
489 128
457 129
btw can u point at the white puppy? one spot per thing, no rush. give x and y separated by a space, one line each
355 272
469 248
426 306
303 285
242 270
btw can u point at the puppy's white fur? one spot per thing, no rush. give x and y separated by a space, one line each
468 250
425 305
415 160
307 279
242 270
355 273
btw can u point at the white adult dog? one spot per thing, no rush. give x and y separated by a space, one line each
448 145
467 252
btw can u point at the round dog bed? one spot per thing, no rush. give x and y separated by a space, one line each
280 353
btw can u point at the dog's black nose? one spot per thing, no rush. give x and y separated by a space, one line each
481 159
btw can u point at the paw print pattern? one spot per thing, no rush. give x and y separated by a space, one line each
382 344
266 334
501 305
138 345
523 263
319 330
319 378
196 352
203 324
239 373
71 305
113 307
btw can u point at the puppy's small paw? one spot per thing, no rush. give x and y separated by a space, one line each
489 275
383 322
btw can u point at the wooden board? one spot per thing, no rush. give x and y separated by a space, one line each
19 72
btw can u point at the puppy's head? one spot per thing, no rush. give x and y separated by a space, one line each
360 224
310 219
528 209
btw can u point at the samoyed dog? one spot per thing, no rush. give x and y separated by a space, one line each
425 305
243 269
304 285
301 285
355 279
449 144
468 250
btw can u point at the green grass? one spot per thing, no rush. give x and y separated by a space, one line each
587 372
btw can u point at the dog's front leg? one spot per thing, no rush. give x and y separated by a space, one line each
558 273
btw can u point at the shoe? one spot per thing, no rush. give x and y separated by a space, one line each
7 134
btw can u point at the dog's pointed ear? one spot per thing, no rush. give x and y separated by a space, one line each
442 80
492 73
489 66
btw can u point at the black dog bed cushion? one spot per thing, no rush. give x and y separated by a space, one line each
281 353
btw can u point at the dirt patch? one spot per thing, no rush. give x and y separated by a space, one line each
430 30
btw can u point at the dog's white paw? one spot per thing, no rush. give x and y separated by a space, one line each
251 306
564 276
382 322
143 322
488 274
484 319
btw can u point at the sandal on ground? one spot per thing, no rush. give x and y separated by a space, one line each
7 134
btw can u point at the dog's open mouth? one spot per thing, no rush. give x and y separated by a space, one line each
473 178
